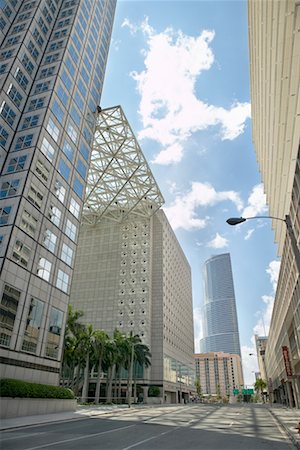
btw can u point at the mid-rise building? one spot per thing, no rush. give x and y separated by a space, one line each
53 56
219 316
219 373
261 344
130 272
274 39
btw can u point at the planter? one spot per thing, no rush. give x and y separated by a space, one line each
18 407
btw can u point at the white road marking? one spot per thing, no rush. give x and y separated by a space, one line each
150 439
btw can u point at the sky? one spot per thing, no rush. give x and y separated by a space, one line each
180 71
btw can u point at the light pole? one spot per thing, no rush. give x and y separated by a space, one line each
289 227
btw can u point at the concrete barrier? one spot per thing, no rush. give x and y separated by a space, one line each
18 407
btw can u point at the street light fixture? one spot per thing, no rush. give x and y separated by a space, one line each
289 227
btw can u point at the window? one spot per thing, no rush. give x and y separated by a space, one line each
43 26
6 54
21 79
16 164
54 215
35 196
4 214
3 68
18 28
28 223
67 81
44 269
36 103
12 41
62 281
57 111
33 50
27 64
70 230
7 113
52 129
55 45
70 67
47 149
50 240
68 150
42 87
60 34
47 16
38 38
54 332
22 17
47 72
64 169
81 168
42 171
75 116
21 253
30 121
9 305
51 58
62 95
24 141
72 133
74 208
9 188
60 191
2 23
79 101
15 95
67 254
3 136
78 187
33 325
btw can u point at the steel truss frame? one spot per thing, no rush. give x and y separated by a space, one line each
120 181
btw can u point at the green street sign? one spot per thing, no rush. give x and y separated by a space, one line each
236 392
247 391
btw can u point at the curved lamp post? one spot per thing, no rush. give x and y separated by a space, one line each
289 227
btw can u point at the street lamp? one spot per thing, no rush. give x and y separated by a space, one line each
289 227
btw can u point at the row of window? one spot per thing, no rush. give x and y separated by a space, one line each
34 321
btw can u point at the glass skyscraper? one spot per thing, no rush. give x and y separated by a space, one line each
219 318
52 62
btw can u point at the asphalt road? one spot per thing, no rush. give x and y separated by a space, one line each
188 427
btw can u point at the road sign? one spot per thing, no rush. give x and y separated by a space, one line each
247 391
236 392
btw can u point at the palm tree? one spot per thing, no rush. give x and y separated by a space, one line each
87 345
259 386
100 343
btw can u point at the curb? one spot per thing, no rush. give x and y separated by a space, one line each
291 436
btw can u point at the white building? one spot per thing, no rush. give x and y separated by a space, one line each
130 271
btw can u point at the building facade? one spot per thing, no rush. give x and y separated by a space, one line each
261 344
219 373
219 317
130 272
53 57
274 38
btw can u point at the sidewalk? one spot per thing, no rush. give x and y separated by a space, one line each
80 413
288 419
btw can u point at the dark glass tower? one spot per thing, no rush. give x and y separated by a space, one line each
220 325
52 62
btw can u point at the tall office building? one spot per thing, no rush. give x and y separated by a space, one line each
130 272
53 56
274 39
219 318
219 373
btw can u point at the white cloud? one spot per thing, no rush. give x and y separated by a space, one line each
249 234
182 213
169 107
198 334
218 242
273 271
250 364
256 202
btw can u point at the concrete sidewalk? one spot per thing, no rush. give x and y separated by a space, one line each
289 419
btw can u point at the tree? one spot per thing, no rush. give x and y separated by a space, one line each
198 388
259 386
87 345
100 343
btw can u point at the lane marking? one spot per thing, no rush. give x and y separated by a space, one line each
150 439
78 438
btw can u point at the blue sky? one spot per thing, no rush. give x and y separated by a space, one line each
180 71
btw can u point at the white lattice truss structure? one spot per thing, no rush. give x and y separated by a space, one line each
120 181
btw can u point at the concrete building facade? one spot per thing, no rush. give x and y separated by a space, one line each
53 57
274 39
219 318
261 344
219 373
130 272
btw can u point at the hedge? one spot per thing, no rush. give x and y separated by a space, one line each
19 388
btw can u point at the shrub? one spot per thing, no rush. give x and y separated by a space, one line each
19 388
153 391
